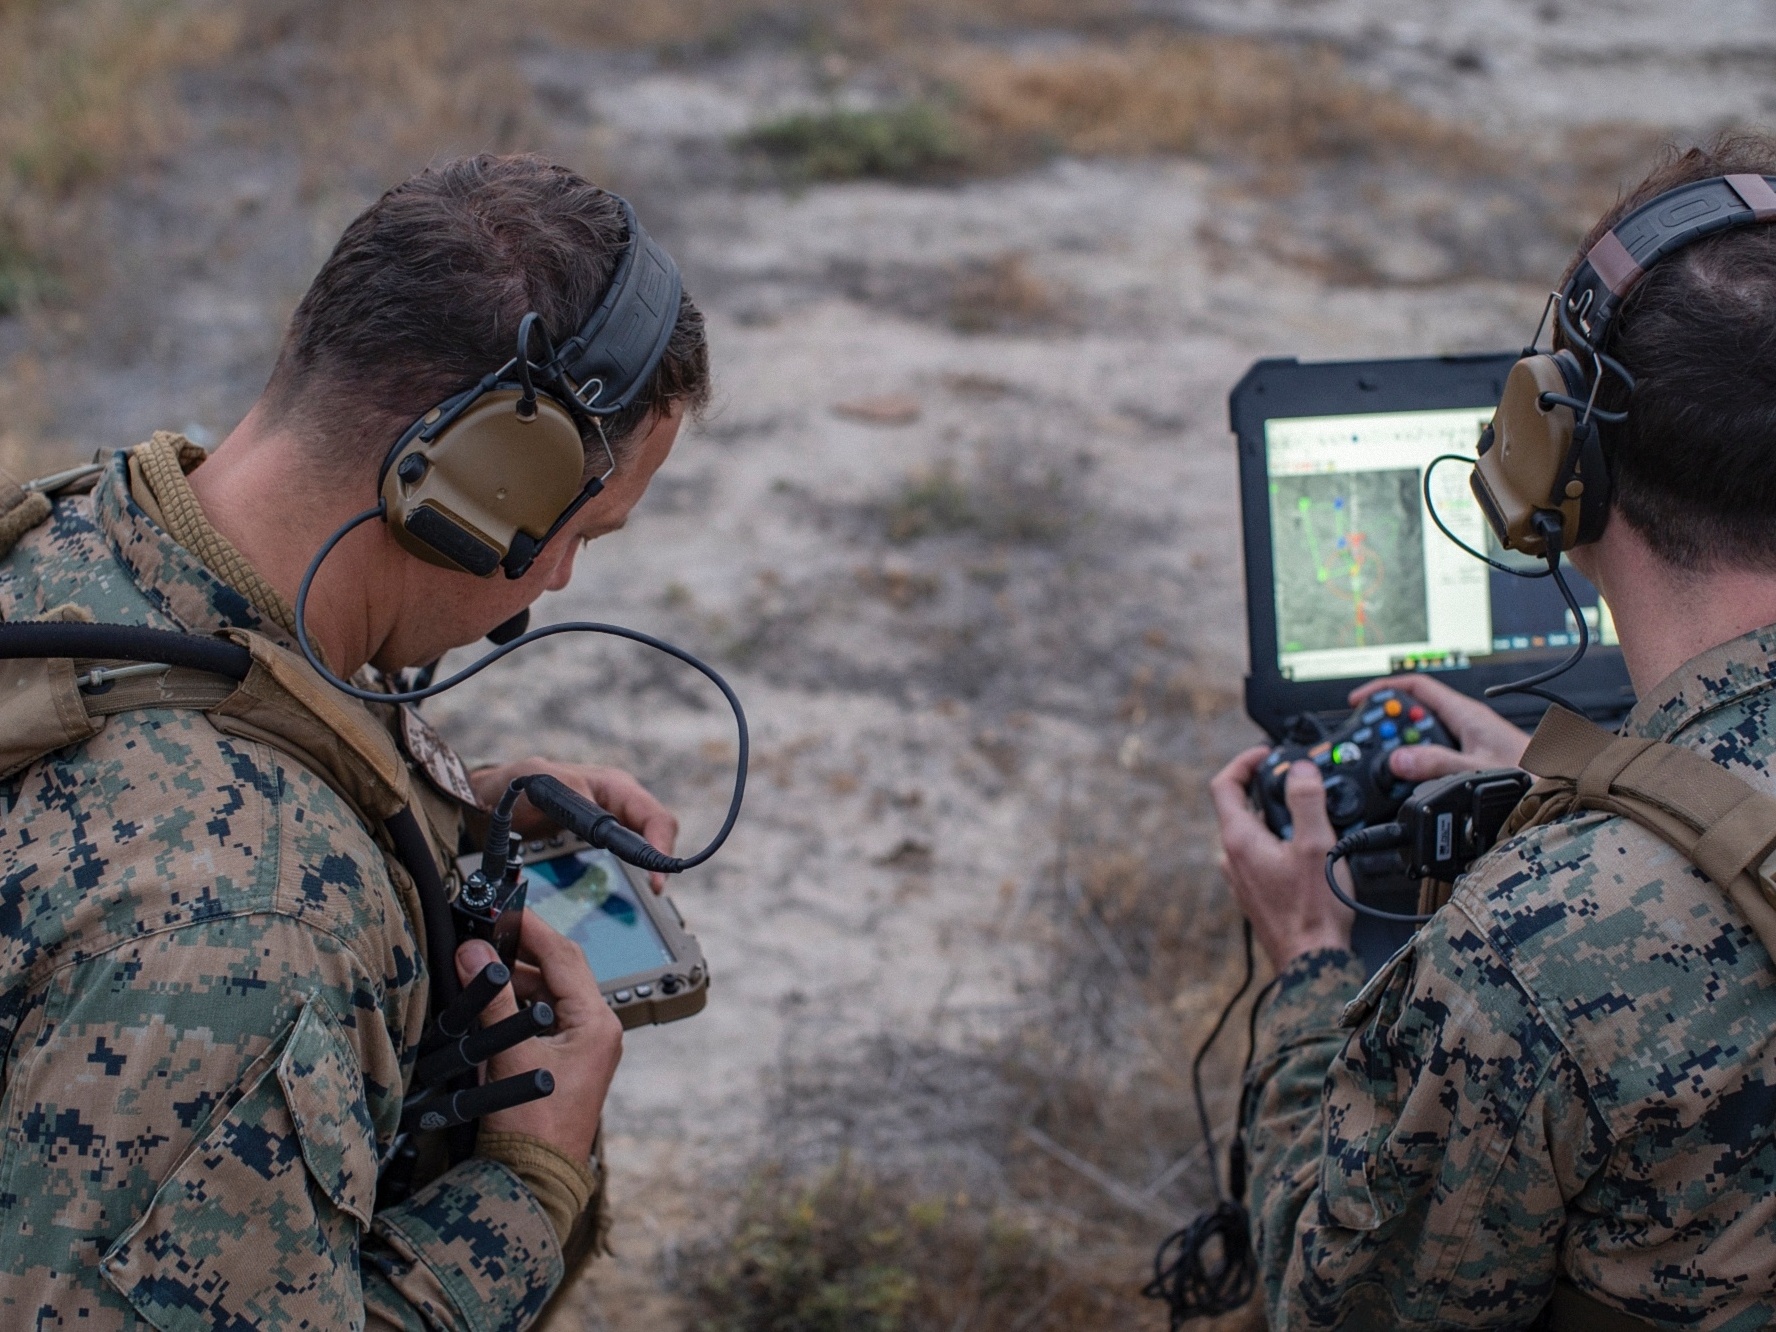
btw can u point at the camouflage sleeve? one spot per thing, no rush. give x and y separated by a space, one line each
191 1126
1298 1038
466 1254
1424 1182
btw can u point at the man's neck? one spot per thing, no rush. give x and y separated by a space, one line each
1666 615
277 520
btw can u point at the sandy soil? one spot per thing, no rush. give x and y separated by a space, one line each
920 699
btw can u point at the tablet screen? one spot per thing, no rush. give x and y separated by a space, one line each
1366 585
587 896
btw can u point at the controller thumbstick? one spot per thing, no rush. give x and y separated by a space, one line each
1384 778
1344 799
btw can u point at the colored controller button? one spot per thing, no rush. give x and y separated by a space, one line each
1388 730
1413 735
1347 753
1415 714
1392 707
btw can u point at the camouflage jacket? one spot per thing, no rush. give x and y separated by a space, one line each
1570 1072
210 998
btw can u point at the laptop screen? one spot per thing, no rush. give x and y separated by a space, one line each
1366 585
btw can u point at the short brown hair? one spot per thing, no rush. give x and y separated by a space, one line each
424 293
1694 465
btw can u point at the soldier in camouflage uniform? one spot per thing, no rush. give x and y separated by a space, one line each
213 975
1558 1103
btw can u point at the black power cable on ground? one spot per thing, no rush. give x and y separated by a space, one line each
1208 1267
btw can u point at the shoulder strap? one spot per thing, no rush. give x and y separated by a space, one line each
20 511
281 703
1719 821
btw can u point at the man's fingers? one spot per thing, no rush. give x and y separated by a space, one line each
1422 763
1228 787
471 958
636 807
1240 826
1305 794
1454 709
565 972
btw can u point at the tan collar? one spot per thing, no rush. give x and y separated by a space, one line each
157 482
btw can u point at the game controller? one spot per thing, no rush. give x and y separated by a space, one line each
1353 763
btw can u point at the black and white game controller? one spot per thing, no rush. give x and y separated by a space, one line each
1353 763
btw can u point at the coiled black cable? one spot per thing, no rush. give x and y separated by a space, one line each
1208 1267
629 848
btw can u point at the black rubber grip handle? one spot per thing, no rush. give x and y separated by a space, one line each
442 1112
458 1020
561 803
440 1066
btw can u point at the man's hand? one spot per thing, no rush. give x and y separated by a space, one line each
581 1051
1280 886
609 788
1487 740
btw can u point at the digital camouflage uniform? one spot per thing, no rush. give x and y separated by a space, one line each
210 996
1570 1071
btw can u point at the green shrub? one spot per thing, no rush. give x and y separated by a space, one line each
917 141
851 1251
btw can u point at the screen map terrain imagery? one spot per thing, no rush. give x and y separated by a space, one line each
1349 565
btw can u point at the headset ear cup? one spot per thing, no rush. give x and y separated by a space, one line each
1515 475
1594 502
1585 458
461 499
1578 382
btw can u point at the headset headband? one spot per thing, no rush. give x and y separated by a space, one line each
1614 266
609 360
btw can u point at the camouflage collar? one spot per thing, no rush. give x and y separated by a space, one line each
186 591
1715 678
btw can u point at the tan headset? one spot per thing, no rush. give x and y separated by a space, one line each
483 480
1541 478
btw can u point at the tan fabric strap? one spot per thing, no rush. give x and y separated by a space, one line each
20 511
176 687
1599 775
1719 822
281 703
162 463
1739 841
1564 745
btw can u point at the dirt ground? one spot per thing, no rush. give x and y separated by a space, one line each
962 528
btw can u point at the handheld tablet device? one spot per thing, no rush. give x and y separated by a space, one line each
649 967
1347 576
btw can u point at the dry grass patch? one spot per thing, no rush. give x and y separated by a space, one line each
986 110
85 92
850 1249
1007 496
1003 295
1204 96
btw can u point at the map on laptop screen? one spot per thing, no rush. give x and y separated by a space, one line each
1366 585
